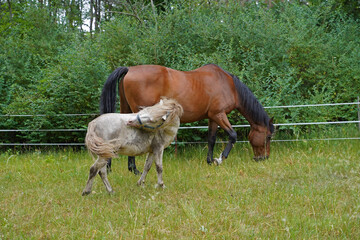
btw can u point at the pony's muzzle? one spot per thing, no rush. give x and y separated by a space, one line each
131 123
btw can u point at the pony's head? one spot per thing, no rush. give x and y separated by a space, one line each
160 115
259 138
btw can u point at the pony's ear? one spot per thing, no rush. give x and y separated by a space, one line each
164 117
161 102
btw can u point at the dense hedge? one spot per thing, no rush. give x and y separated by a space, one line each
288 54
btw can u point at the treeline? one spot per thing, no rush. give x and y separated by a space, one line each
56 55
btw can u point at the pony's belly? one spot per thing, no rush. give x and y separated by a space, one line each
133 150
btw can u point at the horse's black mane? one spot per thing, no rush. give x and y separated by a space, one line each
251 105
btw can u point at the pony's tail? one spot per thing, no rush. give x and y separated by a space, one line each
108 95
98 146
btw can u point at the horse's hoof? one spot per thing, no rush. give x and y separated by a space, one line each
137 172
218 161
259 159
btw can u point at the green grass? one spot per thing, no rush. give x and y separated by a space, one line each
306 190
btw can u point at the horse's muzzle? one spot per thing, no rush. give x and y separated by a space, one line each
260 158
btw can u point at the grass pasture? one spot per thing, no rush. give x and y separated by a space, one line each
306 190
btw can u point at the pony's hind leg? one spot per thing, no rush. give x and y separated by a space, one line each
148 163
103 175
99 164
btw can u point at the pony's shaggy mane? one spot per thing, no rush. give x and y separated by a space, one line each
166 106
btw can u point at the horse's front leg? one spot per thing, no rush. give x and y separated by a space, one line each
99 164
159 168
224 123
232 140
211 140
148 163
229 146
132 166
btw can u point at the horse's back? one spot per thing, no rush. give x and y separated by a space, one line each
208 88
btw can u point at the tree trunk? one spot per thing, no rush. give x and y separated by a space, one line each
10 10
91 16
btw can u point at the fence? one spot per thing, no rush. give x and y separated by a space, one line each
193 127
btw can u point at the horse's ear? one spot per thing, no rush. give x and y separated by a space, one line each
271 123
161 102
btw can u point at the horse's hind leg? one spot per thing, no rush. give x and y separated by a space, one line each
103 175
211 140
132 166
148 163
99 164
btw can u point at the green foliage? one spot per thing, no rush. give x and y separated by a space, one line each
288 54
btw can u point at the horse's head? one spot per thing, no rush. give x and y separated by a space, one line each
259 138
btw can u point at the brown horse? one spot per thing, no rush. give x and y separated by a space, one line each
206 92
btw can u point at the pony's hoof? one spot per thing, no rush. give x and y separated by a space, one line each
112 192
140 183
85 193
162 186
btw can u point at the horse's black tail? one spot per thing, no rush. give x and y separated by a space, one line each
108 95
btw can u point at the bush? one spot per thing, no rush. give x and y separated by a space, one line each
289 54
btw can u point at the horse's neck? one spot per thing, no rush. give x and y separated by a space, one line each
246 115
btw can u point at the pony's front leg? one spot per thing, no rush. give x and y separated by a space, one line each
148 163
103 175
99 164
159 168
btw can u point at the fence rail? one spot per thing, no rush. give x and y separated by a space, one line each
184 127
96 114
